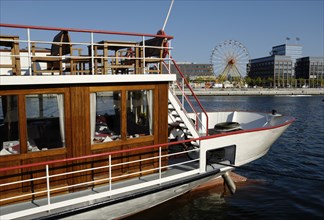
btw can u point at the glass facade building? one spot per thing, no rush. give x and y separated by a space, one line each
312 69
278 68
295 51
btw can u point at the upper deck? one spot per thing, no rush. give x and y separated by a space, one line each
42 51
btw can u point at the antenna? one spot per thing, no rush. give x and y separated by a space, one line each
167 17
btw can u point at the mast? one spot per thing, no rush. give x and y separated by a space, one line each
167 17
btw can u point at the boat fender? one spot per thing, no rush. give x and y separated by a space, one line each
229 183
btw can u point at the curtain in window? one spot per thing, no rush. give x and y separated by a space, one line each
60 104
93 108
150 109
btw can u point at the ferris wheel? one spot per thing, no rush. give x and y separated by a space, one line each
229 60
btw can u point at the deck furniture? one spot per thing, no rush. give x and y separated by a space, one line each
13 44
154 52
61 46
115 57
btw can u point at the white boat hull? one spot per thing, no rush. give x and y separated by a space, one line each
249 145
258 131
138 203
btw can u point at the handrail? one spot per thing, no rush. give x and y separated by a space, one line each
142 148
81 63
48 189
187 99
158 180
185 96
146 147
192 93
94 155
83 30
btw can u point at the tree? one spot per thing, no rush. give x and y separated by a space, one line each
270 81
248 80
188 79
293 82
258 81
322 82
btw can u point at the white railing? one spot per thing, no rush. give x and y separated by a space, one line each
84 40
188 106
159 172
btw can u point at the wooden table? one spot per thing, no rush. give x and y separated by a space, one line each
12 42
120 61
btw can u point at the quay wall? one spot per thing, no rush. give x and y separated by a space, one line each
253 92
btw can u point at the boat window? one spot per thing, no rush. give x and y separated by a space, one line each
9 131
139 113
45 121
105 116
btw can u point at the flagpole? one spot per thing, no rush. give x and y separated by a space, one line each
287 39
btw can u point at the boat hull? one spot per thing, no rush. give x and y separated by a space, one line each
134 202
249 145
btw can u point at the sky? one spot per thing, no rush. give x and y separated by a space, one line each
197 25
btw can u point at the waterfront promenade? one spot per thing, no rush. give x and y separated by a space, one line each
257 91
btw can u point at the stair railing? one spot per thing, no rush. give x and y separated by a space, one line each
186 102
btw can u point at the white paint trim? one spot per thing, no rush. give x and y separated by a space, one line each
82 79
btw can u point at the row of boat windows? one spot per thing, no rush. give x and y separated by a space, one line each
45 119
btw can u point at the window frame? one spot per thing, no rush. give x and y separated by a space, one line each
123 127
22 118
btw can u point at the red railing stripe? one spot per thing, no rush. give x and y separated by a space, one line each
143 148
192 92
82 30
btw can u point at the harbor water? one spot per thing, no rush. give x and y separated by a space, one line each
287 183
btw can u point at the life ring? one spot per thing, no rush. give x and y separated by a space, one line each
227 126
165 49
165 44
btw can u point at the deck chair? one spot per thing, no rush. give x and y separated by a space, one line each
154 56
13 44
54 60
60 47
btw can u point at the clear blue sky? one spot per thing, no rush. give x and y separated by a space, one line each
198 26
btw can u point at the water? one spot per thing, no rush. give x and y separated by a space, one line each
287 183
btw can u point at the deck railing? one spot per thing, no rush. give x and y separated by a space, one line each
109 178
192 106
30 48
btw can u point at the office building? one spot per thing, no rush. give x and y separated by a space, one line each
193 70
311 69
276 70
295 51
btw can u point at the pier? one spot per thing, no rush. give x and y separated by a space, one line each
257 91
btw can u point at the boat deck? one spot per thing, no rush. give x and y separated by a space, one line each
178 169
